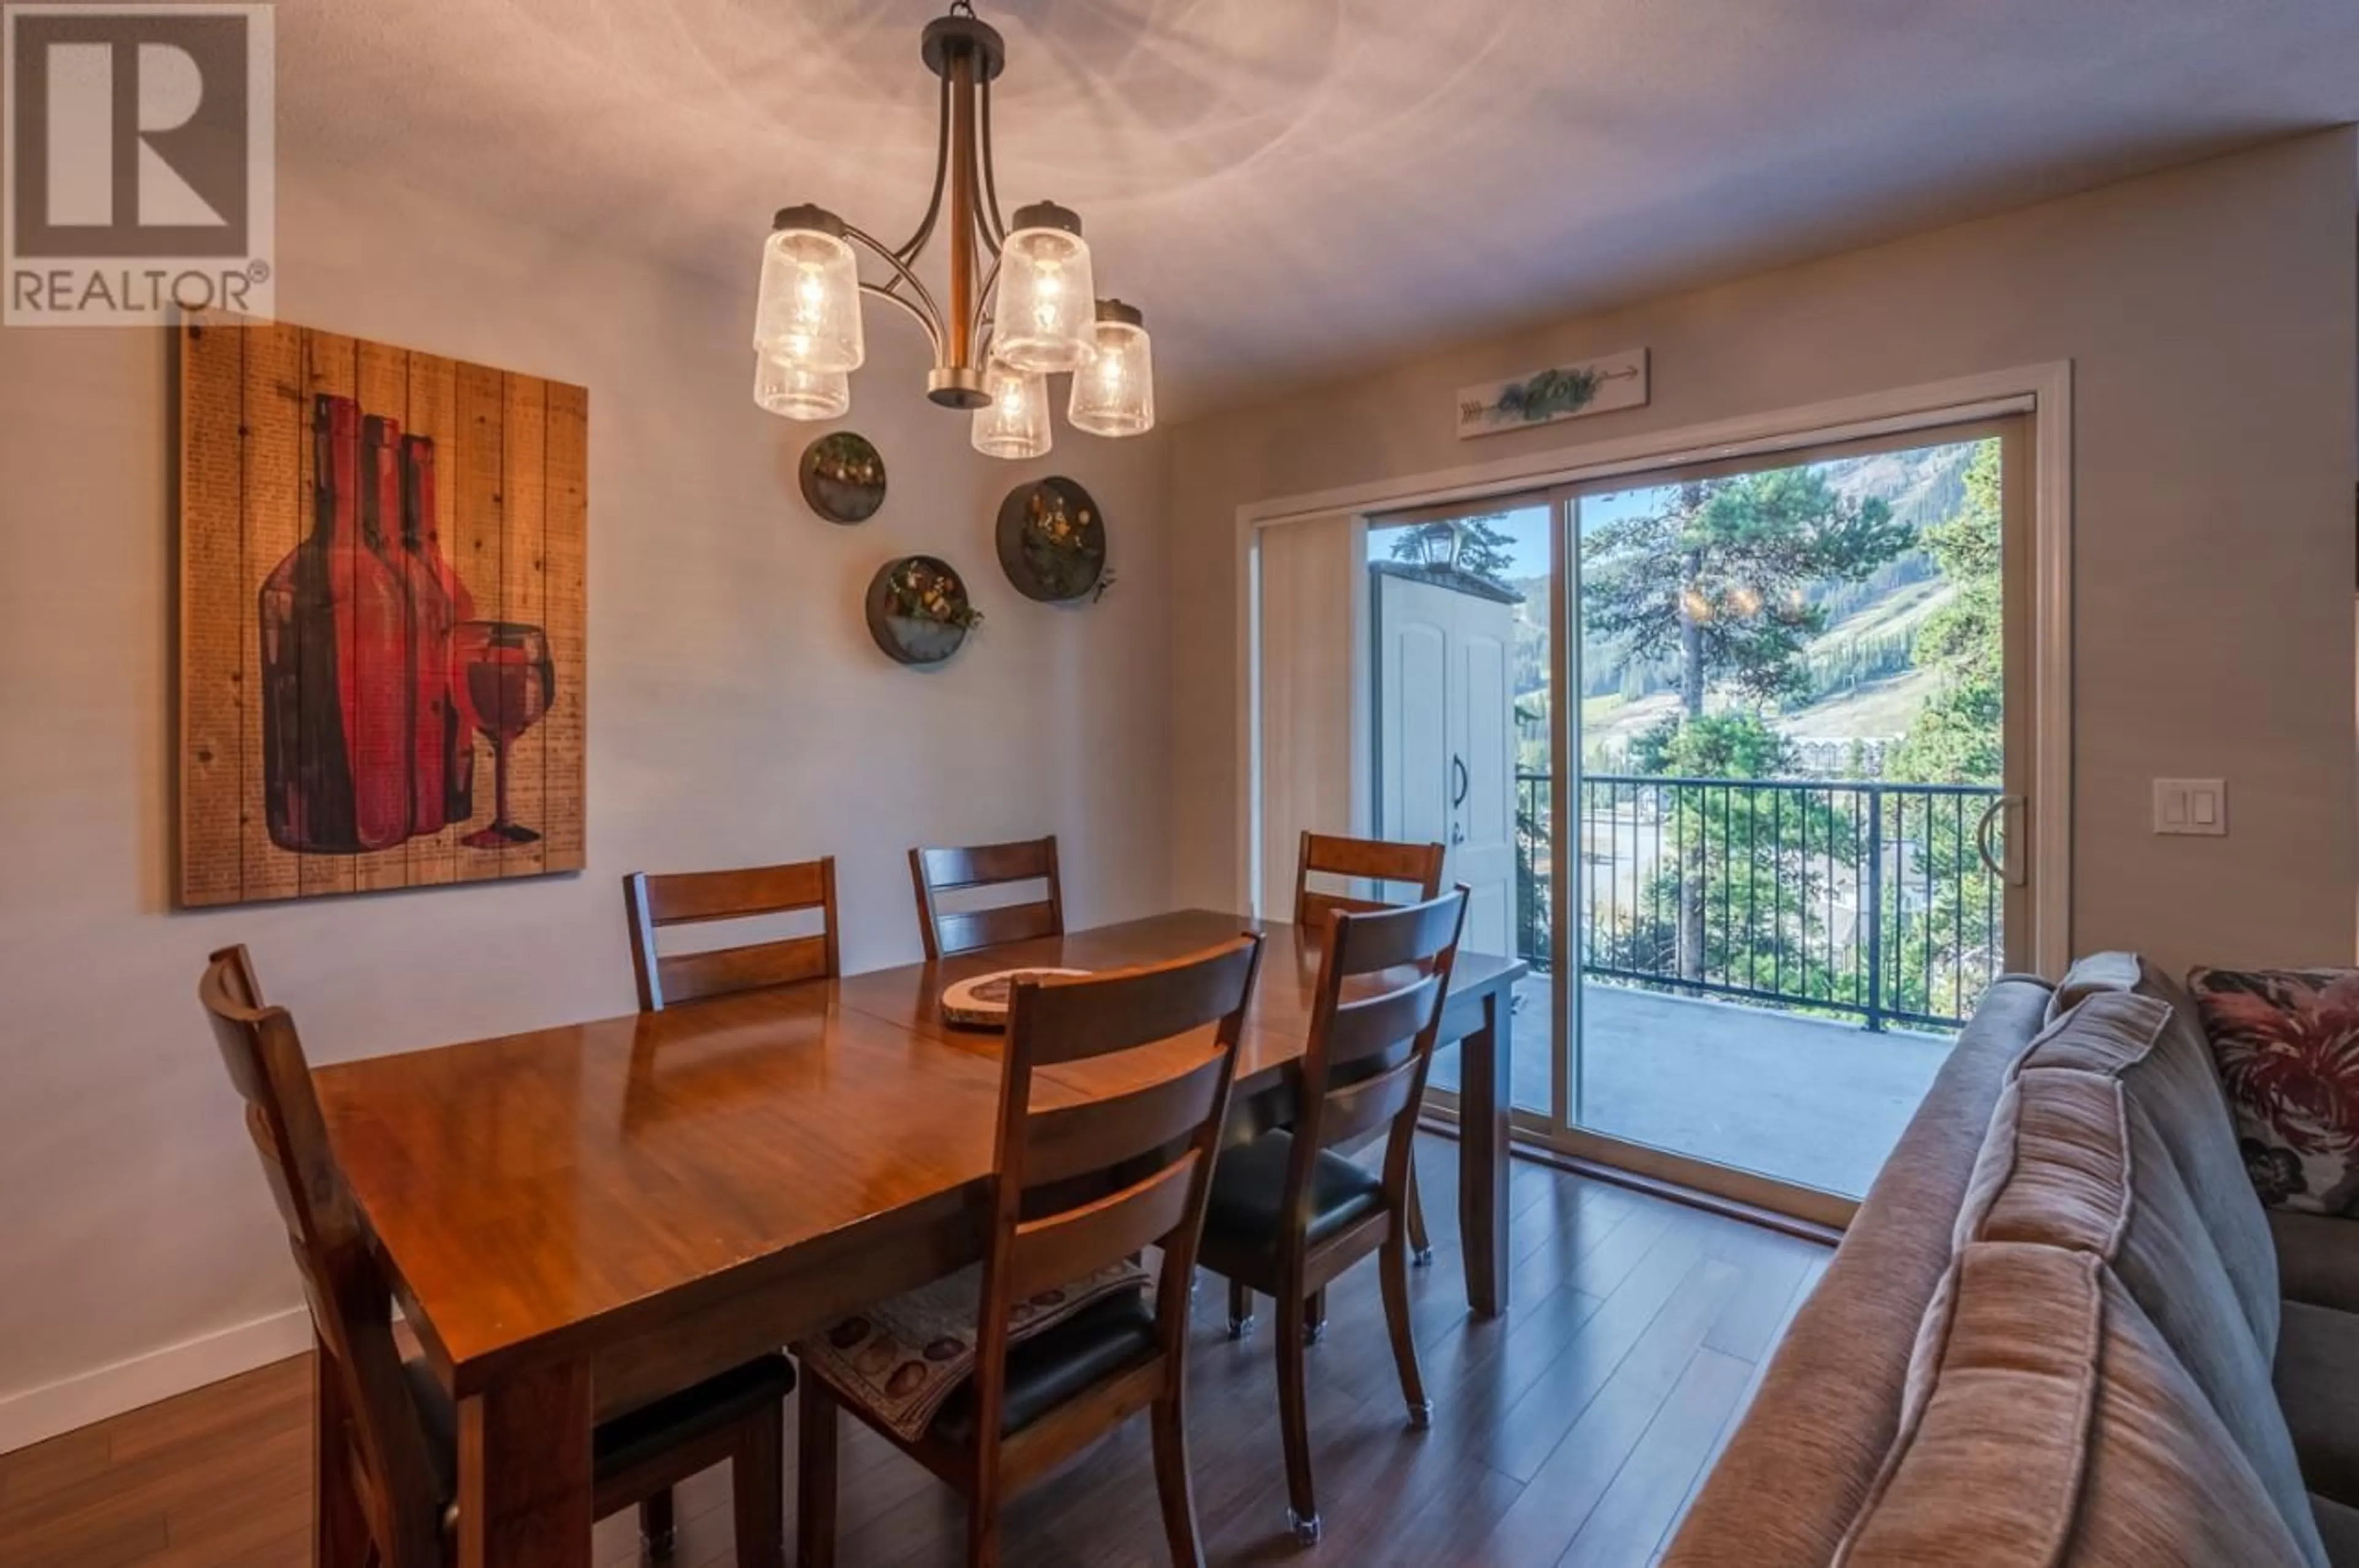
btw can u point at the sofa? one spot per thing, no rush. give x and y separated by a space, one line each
2063 1328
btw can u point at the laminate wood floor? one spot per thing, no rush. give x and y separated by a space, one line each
1572 1431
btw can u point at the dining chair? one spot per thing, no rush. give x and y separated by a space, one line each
388 1446
1369 859
949 932
1365 860
1119 1158
691 897
1288 1211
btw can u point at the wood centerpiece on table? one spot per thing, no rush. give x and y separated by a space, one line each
1053 541
843 477
919 611
982 1002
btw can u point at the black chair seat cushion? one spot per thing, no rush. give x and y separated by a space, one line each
628 1440
1249 1186
1053 1366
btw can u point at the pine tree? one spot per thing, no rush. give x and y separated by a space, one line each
1720 579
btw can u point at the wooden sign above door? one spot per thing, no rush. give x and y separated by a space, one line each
1544 396
381 631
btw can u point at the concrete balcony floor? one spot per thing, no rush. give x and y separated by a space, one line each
1815 1101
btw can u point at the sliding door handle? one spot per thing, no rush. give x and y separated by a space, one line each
1461 782
2003 867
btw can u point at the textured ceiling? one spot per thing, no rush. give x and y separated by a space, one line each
1289 187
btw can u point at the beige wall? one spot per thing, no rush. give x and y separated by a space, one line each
738 713
2209 313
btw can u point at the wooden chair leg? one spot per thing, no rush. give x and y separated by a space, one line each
982 1527
757 1488
656 1536
1420 1245
1241 1311
1392 1264
1294 1423
1314 1317
1173 1484
815 1488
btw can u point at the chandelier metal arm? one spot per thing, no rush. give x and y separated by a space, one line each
984 299
916 242
928 312
917 313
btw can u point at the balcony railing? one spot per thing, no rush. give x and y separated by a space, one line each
1855 897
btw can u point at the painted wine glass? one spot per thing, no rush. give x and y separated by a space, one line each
510 680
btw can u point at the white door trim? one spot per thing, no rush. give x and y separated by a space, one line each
2043 391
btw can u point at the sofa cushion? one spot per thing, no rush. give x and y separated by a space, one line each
2318 1259
2058 1428
2170 1076
1799 1467
2318 1383
2178 1086
2288 1045
2083 1169
2092 976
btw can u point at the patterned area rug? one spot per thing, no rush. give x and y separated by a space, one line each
906 1355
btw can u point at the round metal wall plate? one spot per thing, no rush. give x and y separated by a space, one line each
843 477
899 591
1052 540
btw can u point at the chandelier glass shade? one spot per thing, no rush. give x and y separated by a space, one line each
1113 394
1020 302
1015 422
808 314
794 393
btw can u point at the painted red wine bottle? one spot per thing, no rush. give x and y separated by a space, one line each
445 788
335 664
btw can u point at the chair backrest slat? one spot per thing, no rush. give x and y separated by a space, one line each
1066 1247
682 897
1371 941
345 1282
690 977
1360 1028
948 933
1087 1182
967 931
692 897
1366 1103
1072 1019
1365 859
1073 1140
1366 1059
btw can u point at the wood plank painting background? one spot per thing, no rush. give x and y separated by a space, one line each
381 578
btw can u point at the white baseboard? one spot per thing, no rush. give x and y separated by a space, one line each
38 1414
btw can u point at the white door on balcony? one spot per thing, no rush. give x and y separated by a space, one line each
1446 736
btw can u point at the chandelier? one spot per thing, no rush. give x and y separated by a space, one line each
1021 304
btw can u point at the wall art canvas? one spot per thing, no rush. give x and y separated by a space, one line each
382 616
1543 397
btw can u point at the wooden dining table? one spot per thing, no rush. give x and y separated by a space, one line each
584 1218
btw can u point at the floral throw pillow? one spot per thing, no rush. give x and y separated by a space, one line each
2286 1043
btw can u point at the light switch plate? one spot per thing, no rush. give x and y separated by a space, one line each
2198 806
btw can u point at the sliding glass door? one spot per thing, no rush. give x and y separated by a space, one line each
1733 757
